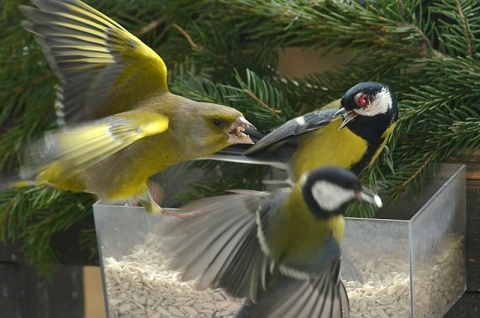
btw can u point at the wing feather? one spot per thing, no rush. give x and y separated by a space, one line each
288 132
219 246
103 69
77 148
314 290
322 297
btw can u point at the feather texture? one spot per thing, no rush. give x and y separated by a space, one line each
92 55
73 150
122 123
227 244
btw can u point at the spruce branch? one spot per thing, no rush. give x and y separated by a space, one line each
226 52
150 27
407 182
262 87
201 48
259 101
465 26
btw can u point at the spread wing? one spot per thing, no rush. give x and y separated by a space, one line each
311 291
67 152
277 148
291 130
103 69
292 298
219 247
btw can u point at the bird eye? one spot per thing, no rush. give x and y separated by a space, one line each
361 100
218 122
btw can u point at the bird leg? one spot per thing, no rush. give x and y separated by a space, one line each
148 202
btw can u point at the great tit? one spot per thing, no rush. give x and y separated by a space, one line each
352 141
280 250
123 124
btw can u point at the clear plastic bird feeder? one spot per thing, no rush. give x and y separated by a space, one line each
410 266
409 262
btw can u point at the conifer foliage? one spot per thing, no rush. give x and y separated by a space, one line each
227 51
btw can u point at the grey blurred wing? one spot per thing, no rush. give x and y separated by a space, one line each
219 246
292 129
312 290
254 160
323 296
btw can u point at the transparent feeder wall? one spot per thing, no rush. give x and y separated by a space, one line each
413 266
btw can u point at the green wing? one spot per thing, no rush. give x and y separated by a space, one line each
103 69
64 153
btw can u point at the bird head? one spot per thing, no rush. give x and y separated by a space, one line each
327 191
368 99
217 126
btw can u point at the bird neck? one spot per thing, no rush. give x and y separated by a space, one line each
375 130
370 128
295 234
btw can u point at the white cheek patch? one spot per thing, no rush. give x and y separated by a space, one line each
381 104
330 196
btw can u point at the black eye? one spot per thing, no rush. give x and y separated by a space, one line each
218 122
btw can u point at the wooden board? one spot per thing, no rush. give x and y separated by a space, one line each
25 294
468 305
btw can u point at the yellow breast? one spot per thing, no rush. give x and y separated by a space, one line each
328 146
296 235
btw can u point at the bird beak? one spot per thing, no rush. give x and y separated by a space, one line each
367 195
236 134
341 111
347 116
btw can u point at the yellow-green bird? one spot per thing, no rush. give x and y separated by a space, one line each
352 141
280 250
123 124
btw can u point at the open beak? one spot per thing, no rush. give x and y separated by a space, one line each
367 195
236 134
348 116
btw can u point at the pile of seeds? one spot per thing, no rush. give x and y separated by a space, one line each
383 287
139 285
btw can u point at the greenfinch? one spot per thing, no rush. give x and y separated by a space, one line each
122 123
280 250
